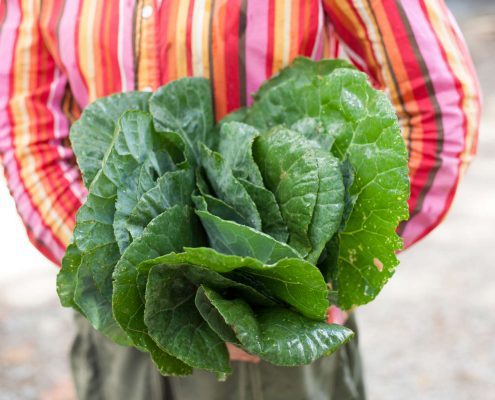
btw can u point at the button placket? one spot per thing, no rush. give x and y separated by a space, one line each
147 70
147 11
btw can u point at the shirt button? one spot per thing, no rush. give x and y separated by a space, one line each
147 89
147 11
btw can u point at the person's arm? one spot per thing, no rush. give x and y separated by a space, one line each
414 50
35 103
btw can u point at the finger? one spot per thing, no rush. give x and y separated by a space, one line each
237 354
336 316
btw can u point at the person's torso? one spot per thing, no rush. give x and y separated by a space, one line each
112 46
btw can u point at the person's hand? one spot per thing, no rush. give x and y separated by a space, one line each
336 316
236 354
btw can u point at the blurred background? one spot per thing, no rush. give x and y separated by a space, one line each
429 335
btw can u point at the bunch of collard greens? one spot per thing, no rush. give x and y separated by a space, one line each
195 234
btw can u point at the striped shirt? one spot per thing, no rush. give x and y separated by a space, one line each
56 56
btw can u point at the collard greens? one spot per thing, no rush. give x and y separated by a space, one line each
195 234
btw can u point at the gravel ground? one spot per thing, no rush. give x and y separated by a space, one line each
429 335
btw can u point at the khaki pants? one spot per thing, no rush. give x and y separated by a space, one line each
105 371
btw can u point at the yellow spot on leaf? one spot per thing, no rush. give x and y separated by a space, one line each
378 264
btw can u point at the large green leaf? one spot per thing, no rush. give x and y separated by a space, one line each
272 222
276 334
348 176
201 272
218 208
381 187
234 144
150 189
135 143
232 238
185 106
92 134
142 179
66 278
170 231
213 318
302 70
365 130
129 191
238 115
98 252
171 315
172 188
206 201
315 131
328 262
294 281
228 188
307 184
301 100
176 325
90 300
166 364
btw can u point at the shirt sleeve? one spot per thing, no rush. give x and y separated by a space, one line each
35 105
414 50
